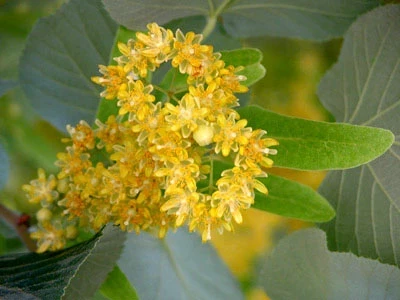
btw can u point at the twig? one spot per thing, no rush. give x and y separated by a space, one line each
21 225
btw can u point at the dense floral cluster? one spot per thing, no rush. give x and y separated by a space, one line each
152 165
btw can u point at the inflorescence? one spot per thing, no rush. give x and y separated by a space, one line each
152 165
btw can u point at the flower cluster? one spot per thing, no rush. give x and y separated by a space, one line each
152 166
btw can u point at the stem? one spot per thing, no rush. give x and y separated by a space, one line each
212 19
21 227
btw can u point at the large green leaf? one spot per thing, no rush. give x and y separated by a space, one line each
176 267
307 19
74 273
312 145
286 197
301 267
363 88
63 51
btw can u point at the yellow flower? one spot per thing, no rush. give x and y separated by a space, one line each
109 133
135 99
191 58
255 152
229 134
49 236
72 163
114 79
82 136
157 43
186 116
42 190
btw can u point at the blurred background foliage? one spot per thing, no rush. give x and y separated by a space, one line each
294 69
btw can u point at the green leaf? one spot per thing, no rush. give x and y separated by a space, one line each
363 88
312 145
6 85
74 273
4 166
301 267
294 200
307 19
63 51
136 15
286 197
250 59
176 267
118 287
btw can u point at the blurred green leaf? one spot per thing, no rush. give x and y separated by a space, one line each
62 53
363 88
176 267
307 19
312 145
4 166
118 287
74 273
6 85
301 267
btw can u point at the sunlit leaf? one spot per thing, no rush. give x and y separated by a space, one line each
118 287
308 19
286 197
301 267
76 272
63 51
176 267
312 145
363 88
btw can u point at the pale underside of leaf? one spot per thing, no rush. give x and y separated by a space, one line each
301 267
176 267
363 88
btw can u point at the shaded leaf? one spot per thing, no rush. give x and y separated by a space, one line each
301 267
137 14
363 88
176 267
312 145
47 275
118 287
308 19
6 85
63 51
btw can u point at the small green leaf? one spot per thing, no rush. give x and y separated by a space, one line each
176 267
312 145
250 59
118 287
62 53
76 272
363 88
294 200
301 267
